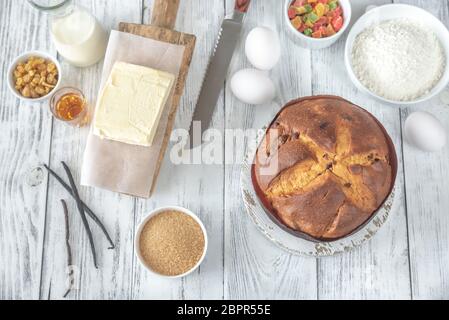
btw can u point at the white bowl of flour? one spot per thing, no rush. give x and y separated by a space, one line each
398 54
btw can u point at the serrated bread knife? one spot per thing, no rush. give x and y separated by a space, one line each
216 72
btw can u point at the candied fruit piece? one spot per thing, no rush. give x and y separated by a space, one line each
337 23
330 30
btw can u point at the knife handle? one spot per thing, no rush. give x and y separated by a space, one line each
242 5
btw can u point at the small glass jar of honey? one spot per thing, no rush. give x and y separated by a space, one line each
70 106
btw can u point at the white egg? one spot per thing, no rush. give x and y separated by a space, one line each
253 86
425 132
263 48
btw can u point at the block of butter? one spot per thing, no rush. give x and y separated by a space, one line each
130 105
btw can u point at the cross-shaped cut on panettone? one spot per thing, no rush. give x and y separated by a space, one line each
324 167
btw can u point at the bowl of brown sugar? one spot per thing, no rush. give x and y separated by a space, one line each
171 242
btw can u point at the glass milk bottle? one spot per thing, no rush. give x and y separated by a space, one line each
77 34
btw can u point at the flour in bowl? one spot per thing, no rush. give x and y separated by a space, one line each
400 60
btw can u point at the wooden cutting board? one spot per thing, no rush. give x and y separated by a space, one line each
163 21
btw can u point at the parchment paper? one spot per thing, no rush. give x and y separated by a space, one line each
117 166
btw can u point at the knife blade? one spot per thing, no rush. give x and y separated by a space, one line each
217 70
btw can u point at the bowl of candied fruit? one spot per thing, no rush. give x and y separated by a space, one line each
317 24
34 76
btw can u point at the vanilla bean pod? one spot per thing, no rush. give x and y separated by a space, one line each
67 244
81 211
91 214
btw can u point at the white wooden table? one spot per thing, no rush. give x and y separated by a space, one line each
408 258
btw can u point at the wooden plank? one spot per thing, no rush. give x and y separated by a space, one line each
24 143
427 201
199 188
254 267
114 278
379 269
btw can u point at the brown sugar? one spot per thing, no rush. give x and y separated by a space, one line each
172 243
